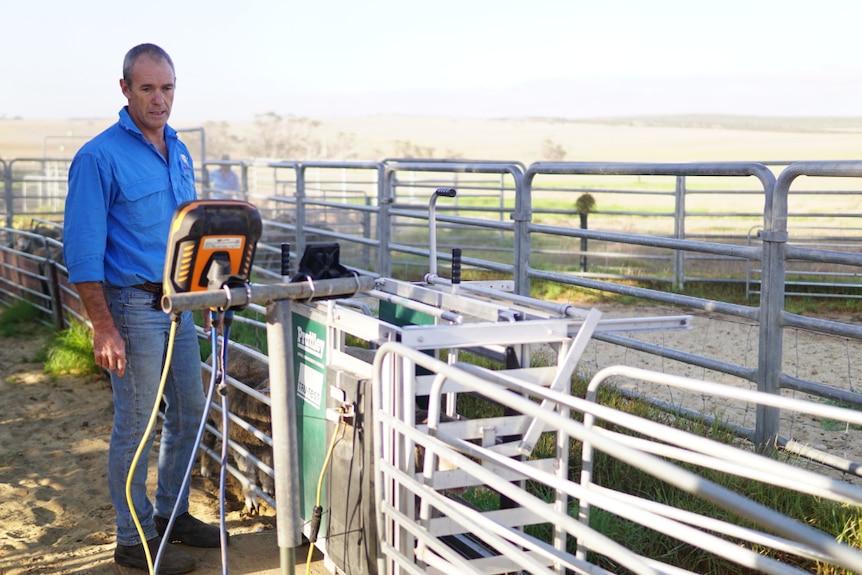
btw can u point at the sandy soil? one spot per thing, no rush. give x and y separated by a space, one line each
55 514
54 509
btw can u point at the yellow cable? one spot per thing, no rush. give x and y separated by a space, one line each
320 486
152 422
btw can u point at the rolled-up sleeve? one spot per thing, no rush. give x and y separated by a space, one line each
85 223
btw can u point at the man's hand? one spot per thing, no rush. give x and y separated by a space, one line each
109 349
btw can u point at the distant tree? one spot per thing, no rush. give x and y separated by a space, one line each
284 138
220 140
343 147
553 151
407 149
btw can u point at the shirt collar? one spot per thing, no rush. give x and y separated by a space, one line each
127 124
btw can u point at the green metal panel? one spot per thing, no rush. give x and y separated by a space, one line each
309 353
402 316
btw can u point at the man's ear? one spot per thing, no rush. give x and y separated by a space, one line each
125 88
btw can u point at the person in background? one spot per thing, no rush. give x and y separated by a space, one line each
124 187
223 179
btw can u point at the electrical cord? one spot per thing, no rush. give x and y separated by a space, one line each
198 437
227 319
150 425
218 373
317 512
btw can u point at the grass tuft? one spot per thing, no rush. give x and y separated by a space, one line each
19 314
71 352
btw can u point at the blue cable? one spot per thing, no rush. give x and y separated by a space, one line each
228 319
201 428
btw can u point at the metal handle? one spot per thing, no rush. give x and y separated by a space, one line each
285 259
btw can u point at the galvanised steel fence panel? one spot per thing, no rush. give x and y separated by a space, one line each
487 215
6 188
31 271
769 430
394 194
35 187
327 201
774 317
378 212
824 218
650 200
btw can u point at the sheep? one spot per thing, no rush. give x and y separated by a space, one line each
253 372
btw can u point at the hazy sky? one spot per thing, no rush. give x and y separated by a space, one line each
487 58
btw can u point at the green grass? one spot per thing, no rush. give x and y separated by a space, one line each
15 318
834 425
71 352
240 332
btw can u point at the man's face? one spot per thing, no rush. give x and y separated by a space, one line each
150 93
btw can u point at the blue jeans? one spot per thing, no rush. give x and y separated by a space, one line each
146 332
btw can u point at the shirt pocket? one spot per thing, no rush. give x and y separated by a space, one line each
143 201
188 190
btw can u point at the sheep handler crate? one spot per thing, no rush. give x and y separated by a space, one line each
377 386
367 377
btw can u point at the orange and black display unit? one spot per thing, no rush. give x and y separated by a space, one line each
211 244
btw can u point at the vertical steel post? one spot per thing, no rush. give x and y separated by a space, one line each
679 233
770 343
284 434
53 280
385 197
243 180
7 192
366 234
522 216
300 210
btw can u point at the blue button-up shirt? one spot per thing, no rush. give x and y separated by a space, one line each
221 181
122 197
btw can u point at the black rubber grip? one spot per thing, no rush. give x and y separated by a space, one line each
285 259
316 516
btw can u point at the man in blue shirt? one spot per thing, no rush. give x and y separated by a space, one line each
124 186
223 179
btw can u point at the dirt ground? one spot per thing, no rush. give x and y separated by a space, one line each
56 518
55 514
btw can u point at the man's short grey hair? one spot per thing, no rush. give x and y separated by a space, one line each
151 50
